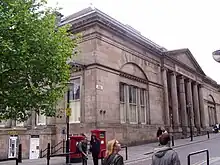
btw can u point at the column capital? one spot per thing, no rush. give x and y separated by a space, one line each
181 77
189 80
195 83
164 69
201 85
173 73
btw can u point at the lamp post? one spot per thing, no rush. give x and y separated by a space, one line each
189 105
216 55
68 126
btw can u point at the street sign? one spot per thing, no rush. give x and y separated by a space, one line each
68 111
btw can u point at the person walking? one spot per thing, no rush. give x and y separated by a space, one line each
82 146
159 132
112 155
165 155
95 149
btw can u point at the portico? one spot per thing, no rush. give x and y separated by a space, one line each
183 95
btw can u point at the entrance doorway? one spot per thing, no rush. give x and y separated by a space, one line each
12 148
34 147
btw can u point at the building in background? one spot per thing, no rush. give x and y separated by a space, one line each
128 86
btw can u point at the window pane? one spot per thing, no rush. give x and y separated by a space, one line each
143 114
142 96
76 89
122 92
75 111
134 97
130 94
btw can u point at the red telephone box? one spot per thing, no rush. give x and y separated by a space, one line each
77 156
100 134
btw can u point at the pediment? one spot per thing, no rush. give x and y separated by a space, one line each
185 57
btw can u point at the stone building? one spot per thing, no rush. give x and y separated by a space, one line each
126 85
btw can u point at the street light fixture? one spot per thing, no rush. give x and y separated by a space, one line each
216 55
189 105
76 66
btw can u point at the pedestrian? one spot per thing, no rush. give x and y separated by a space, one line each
112 155
82 146
159 132
95 149
164 131
165 155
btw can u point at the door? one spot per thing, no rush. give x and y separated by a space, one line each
34 148
12 150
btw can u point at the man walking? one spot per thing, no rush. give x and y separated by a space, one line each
82 146
165 155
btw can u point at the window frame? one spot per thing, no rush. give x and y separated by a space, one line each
40 123
76 100
135 104
123 103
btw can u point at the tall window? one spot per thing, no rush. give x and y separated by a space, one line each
143 106
122 89
133 117
75 100
134 103
19 124
40 119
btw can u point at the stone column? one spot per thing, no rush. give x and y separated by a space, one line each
196 105
174 101
183 104
190 101
201 106
166 99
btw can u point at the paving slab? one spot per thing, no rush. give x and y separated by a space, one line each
134 152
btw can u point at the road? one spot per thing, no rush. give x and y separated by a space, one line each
211 145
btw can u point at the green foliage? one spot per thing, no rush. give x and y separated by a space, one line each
33 59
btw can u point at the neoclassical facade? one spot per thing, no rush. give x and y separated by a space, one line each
125 84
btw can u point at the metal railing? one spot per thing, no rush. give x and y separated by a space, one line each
198 152
9 159
17 159
53 149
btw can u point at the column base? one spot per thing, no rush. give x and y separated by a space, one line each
177 129
185 130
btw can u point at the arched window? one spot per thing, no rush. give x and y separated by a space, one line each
133 89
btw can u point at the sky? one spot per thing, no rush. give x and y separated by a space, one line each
173 24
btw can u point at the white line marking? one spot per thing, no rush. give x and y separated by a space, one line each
211 160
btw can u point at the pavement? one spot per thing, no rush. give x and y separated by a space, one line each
142 154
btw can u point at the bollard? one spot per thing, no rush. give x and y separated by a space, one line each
126 152
41 153
208 134
19 153
172 139
48 154
16 161
63 145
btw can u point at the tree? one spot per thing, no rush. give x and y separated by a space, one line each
33 52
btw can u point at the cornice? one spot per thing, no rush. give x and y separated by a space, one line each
98 19
123 74
132 77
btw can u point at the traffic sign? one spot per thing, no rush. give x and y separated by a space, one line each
68 111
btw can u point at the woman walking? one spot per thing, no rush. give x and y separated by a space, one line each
113 157
95 149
